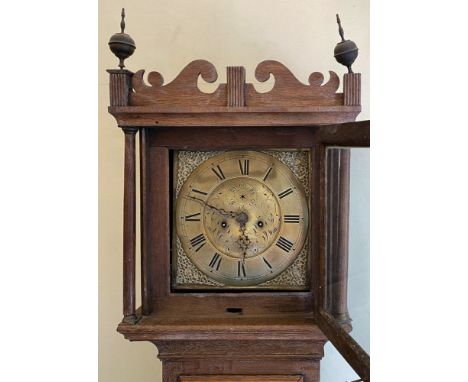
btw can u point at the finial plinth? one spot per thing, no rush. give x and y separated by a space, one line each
346 51
121 44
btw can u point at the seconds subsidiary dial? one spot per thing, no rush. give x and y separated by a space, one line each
242 217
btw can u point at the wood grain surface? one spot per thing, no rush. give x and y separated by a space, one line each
338 166
139 102
274 336
155 115
182 91
241 378
129 236
289 91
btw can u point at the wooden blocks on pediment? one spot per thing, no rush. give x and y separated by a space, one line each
120 84
128 89
352 89
235 86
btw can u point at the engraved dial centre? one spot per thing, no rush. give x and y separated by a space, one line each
245 220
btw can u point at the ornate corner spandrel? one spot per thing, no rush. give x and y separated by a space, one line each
182 91
289 91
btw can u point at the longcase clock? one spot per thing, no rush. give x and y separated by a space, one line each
239 199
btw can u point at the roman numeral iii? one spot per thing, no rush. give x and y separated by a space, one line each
244 166
291 218
284 244
218 172
198 240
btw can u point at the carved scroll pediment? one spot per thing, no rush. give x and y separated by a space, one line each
289 91
183 91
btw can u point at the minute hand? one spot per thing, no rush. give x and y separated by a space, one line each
219 210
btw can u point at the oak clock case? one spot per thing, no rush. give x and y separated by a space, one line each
243 217
241 220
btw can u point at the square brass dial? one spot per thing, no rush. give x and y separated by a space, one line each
214 192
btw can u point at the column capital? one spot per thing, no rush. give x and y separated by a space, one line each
130 130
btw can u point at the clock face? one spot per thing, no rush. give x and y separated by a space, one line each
242 217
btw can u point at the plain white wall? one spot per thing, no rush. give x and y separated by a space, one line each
169 34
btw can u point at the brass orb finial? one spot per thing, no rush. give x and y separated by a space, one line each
346 51
121 44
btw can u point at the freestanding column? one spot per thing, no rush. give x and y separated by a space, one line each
129 232
338 167
338 161
120 87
